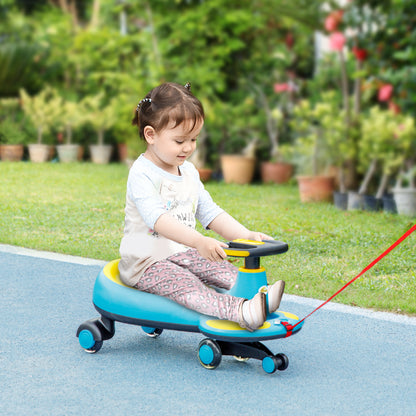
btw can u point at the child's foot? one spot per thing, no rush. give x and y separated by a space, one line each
274 295
253 312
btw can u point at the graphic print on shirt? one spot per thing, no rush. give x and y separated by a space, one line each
180 201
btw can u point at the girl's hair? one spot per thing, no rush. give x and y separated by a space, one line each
169 102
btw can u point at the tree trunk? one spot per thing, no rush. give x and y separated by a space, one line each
100 137
271 125
345 95
40 131
357 90
383 185
68 134
367 178
64 5
341 178
69 6
158 58
95 17
74 13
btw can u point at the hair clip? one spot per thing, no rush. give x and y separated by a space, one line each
188 86
145 100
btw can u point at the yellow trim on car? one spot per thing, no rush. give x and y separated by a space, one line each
252 242
259 270
236 253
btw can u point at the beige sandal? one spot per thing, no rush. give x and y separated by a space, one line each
257 312
274 295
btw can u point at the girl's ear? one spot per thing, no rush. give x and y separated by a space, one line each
149 134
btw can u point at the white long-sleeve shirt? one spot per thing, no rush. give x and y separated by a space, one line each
151 192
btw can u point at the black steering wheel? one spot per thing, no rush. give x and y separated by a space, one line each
252 250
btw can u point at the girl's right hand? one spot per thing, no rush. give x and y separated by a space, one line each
211 249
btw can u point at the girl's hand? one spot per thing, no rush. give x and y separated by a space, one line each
211 249
257 236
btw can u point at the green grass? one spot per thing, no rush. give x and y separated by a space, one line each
79 209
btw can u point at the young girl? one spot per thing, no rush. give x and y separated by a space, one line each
161 251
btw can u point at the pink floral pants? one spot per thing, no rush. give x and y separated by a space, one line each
184 277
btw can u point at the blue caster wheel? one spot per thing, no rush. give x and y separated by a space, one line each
209 354
275 362
87 341
91 334
284 362
152 332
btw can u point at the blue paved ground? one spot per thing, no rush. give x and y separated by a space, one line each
343 362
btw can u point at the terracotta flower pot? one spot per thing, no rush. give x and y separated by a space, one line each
276 172
205 174
237 169
52 152
316 188
11 152
80 154
122 150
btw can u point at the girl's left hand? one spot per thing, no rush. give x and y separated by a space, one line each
211 249
257 236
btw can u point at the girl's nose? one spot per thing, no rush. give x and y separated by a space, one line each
187 147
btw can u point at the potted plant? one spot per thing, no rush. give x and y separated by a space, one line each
122 130
279 169
239 168
198 158
43 110
102 117
337 139
276 169
311 155
230 128
73 116
396 160
12 139
12 135
385 144
405 191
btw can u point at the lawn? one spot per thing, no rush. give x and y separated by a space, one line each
79 209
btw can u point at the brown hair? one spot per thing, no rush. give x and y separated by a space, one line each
169 102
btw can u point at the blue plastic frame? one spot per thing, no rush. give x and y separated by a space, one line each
118 302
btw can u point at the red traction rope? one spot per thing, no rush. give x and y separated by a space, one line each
290 328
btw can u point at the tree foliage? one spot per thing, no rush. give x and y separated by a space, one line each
125 48
233 52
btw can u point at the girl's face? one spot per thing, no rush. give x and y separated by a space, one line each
170 147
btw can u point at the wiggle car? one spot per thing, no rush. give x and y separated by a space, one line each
117 302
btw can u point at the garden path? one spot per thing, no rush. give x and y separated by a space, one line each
345 361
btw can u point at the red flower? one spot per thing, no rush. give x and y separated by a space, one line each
385 92
360 54
337 41
278 88
331 23
333 20
338 14
289 40
394 107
